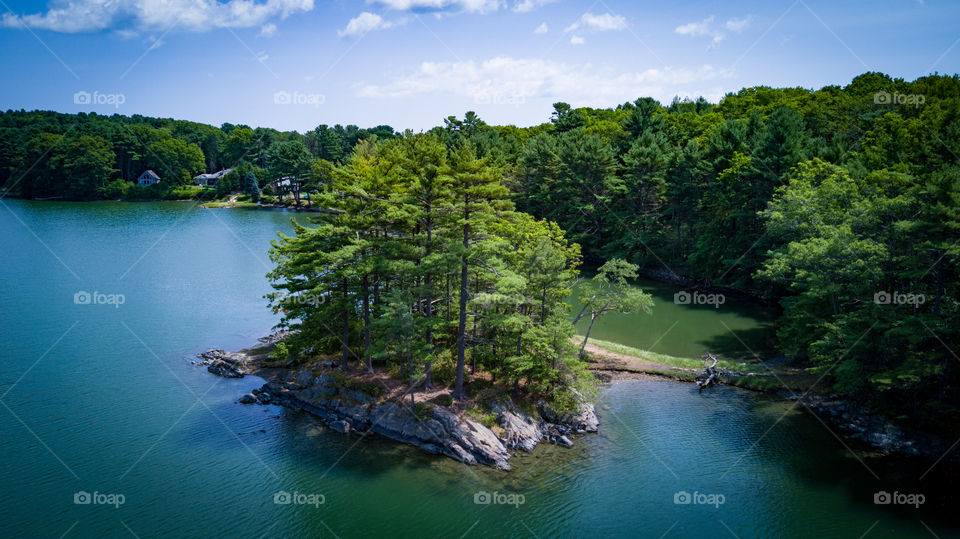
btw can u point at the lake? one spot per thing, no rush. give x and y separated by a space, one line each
104 305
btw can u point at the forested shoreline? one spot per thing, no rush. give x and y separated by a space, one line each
842 202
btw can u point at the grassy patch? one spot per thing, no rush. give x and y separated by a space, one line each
486 417
422 410
663 359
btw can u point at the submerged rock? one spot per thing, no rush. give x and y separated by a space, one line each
340 426
249 398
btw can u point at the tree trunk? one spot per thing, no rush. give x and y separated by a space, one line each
346 329
427 384
462 328
366 323
410 373
473 345
593 318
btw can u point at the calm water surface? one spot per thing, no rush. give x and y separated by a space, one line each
733 329
104 399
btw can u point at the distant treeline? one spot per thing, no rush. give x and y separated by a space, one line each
79 156
844 202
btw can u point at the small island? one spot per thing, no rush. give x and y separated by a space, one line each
423 306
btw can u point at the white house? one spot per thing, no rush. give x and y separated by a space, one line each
149 177
211 180
285 183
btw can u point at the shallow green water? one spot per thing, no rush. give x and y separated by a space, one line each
104 399
733 329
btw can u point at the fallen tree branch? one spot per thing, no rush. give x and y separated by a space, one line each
710 375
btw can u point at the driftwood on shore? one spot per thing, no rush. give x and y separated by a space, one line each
710 375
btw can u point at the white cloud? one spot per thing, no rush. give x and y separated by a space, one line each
268 30
706 28
365 22
469 6
696 28
542 29
599 23
737 25
72 16
526 6
517 80
576 40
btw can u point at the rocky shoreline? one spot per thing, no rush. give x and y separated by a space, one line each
432 427
876 432
445 430
869 432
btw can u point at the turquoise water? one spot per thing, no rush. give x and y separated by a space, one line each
103 398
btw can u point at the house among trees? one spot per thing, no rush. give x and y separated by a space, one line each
286 184
149 177
211 180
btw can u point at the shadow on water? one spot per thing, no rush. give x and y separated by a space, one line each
747 345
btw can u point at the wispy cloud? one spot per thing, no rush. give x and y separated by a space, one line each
522 79
542 29
367 22
576 40
526 6
268 30
599 23
717 33
152 15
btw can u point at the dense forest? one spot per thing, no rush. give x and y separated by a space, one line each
842 203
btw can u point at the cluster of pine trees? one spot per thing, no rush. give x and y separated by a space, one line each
421 261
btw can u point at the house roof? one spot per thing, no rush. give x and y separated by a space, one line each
214 175
150 174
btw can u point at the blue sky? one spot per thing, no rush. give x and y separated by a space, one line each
294 64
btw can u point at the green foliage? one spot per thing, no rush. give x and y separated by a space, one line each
114 190
422 410
281 352
483 415
425 255
47 154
